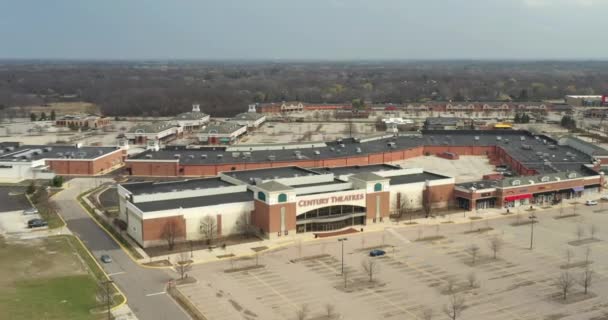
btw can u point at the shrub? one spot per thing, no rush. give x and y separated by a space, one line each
57 181
31 188
121 224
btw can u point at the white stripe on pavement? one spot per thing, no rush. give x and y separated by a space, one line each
155 294
115 273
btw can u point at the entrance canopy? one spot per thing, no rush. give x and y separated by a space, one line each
519 197
578 189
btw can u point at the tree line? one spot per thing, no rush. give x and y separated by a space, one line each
223 89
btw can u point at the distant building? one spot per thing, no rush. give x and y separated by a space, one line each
586 100
192 120
83 121
158 131
248 119
221 133
447 123
283 107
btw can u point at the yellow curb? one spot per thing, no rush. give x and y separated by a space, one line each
112 236
57 212
104 272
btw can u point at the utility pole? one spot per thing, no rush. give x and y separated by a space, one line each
342 241
532 218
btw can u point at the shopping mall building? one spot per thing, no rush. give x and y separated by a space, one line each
278 202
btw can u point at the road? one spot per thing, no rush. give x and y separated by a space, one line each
144 288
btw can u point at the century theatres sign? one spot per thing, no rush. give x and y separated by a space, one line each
330 200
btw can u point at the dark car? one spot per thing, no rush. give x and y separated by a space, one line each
376 253
105 258
36 223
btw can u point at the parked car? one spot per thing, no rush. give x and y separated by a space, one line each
605 197
36 223
376 253
105 258
30 211
591 203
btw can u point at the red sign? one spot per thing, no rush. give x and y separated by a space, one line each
330 200
518 197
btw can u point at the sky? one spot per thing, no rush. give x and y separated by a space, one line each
304 29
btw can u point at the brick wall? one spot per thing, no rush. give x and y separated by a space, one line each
370 203
153 229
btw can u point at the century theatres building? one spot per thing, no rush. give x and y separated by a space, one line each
278 202
279 190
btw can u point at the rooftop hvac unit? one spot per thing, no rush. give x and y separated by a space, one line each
148 156
299 156
271 157
332 149
391 144
358 150
339 140
507 141
522 138
219 156
342 145
203 156
544 141
177 156
9 148
538 153
296 152
317 152
48 149
236 154
526 146
191 156
476 138
498 138
60 154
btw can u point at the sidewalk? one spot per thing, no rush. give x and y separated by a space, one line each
246 249
123 313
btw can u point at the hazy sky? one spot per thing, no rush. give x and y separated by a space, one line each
304 29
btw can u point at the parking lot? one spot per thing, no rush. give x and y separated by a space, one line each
12 204
288 132
422 268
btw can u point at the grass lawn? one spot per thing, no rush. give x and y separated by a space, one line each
67 297
51 278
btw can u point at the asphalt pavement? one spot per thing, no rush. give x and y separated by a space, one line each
144 287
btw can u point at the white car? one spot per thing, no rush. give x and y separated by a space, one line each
591 203
604 197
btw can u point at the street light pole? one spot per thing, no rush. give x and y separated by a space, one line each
342 241
532 219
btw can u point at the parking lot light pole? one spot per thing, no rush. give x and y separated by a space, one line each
342 241
532 218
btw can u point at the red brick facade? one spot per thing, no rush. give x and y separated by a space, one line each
267 218
156 229
86 167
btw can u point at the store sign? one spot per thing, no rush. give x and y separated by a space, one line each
330 200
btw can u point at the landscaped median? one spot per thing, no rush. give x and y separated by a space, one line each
116 235
51 278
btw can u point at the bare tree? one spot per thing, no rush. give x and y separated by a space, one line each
473 250
586 279
371 267
593 231
454 307
183 264
105 296
208 228
565 283
330 310
450 285
472 280
587 256
302 312
495 244
170 233
243 225
580 232
427 314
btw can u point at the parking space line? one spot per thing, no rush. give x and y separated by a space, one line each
155 294
116 273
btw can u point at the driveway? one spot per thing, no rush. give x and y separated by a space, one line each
144 288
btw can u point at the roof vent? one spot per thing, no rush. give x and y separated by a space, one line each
177 156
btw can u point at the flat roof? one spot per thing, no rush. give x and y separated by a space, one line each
10 151
349 147
338 171
269 173
195 202
148 187
415 177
